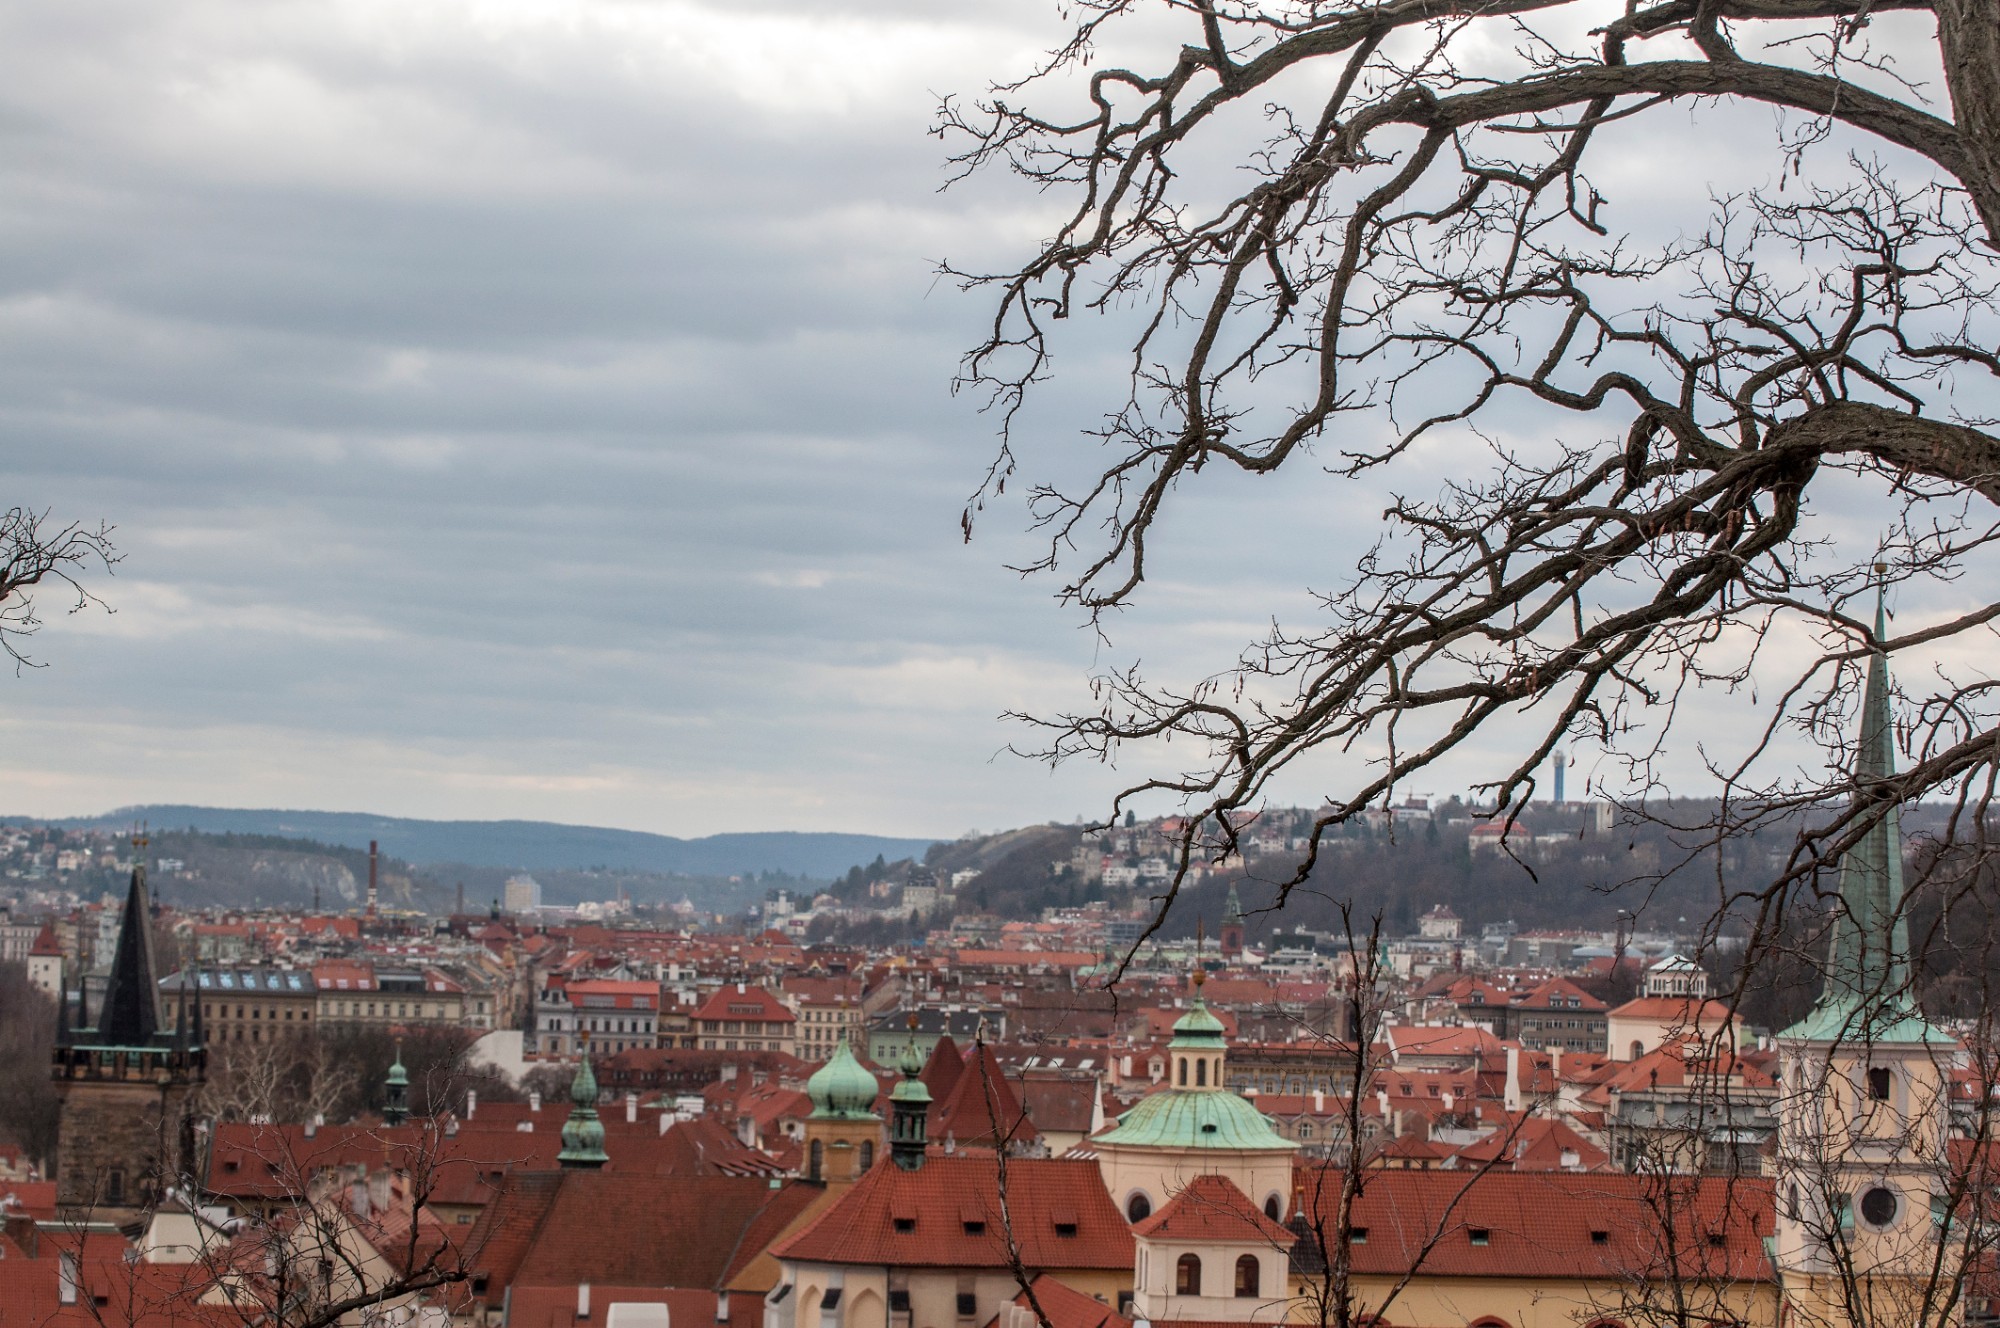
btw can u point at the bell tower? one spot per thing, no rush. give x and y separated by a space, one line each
843 1133
126 1084
1864 1232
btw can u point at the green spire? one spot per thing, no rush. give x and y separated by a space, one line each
1232 911
583 1133
909 1109
1867 995
396 1109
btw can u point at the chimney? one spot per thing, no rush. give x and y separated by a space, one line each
722 1305
631 1108
471 1104
371 878
535 1100
666 1121
1319 1101
583 1300
66 1278
1511 1099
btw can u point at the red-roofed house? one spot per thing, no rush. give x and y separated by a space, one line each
45 963
927 1247
739 1017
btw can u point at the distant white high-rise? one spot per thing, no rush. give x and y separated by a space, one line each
524 894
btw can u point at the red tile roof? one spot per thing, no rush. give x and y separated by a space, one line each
1549 1224
1064 1307
944 1215
1211 1208
748 1003
560 1228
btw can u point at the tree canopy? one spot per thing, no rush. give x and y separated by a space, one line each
1368 236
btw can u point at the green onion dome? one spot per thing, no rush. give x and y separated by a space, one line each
841 1089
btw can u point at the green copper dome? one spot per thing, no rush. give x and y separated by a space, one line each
1198 1029
397 1074
1178 1118
583 1133
841 1089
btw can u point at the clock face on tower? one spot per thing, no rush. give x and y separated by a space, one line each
1878 1206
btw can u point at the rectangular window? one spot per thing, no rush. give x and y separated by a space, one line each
1878 1083
968 1305
1479 1235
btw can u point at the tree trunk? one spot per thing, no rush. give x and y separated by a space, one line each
1969 37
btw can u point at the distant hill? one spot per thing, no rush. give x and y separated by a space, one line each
527 845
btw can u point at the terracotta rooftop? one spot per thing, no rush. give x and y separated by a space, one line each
1211 1208
1554 1225
943 1215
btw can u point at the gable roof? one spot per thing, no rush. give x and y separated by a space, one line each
563 1228
943 1215
1211 1208
1547 1224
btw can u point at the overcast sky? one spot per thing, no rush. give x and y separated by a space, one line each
540 408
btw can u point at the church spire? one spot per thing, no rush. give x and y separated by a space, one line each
1867 993
1868 960
396 1109
129 1015
583 1133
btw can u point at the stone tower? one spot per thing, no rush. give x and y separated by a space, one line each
126 1084
1864 1232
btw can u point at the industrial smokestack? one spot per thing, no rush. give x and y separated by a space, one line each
1561 761
371 870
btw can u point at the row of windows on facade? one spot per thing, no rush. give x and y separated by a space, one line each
733 1045
402 1009
736 1025
618 1026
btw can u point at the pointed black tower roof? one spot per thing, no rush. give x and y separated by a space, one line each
129 1015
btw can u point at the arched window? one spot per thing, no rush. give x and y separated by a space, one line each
1138 1208
1247 1275
1638 1050
867 1154
1271 1207
1183 1064
1187 1276
818 1159
1201 1073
